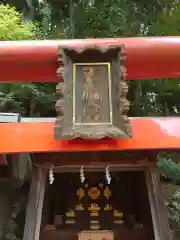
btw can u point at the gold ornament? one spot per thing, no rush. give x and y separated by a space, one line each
79 207
94 193
116 213
70 213
80 193
107 193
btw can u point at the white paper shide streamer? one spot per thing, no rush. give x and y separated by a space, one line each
82 176
51 175
108 176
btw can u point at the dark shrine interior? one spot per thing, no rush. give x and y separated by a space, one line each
122 206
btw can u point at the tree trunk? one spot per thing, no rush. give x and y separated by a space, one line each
71 17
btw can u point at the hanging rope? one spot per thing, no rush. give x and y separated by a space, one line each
51 175
82 176
108 176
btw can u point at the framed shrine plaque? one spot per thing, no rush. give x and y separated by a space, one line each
92 100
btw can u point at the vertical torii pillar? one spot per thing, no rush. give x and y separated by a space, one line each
157 204
35 204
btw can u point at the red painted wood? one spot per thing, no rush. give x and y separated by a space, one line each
36 61
148 133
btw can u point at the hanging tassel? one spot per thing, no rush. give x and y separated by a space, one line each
82 177
108 176
51 175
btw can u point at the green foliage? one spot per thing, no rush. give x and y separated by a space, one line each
173 207
33 100
26 99
16 226
46 29
12 26
170 168
167 21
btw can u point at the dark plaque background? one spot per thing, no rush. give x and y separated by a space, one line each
91 94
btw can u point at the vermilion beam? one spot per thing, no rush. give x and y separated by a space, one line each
154 133
36 61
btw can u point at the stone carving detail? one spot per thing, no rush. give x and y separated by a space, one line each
91 102
60 104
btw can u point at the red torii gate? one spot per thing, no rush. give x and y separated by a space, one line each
36 61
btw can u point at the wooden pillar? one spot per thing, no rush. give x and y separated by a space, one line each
35 204
157 203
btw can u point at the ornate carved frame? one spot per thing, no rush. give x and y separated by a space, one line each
114 57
